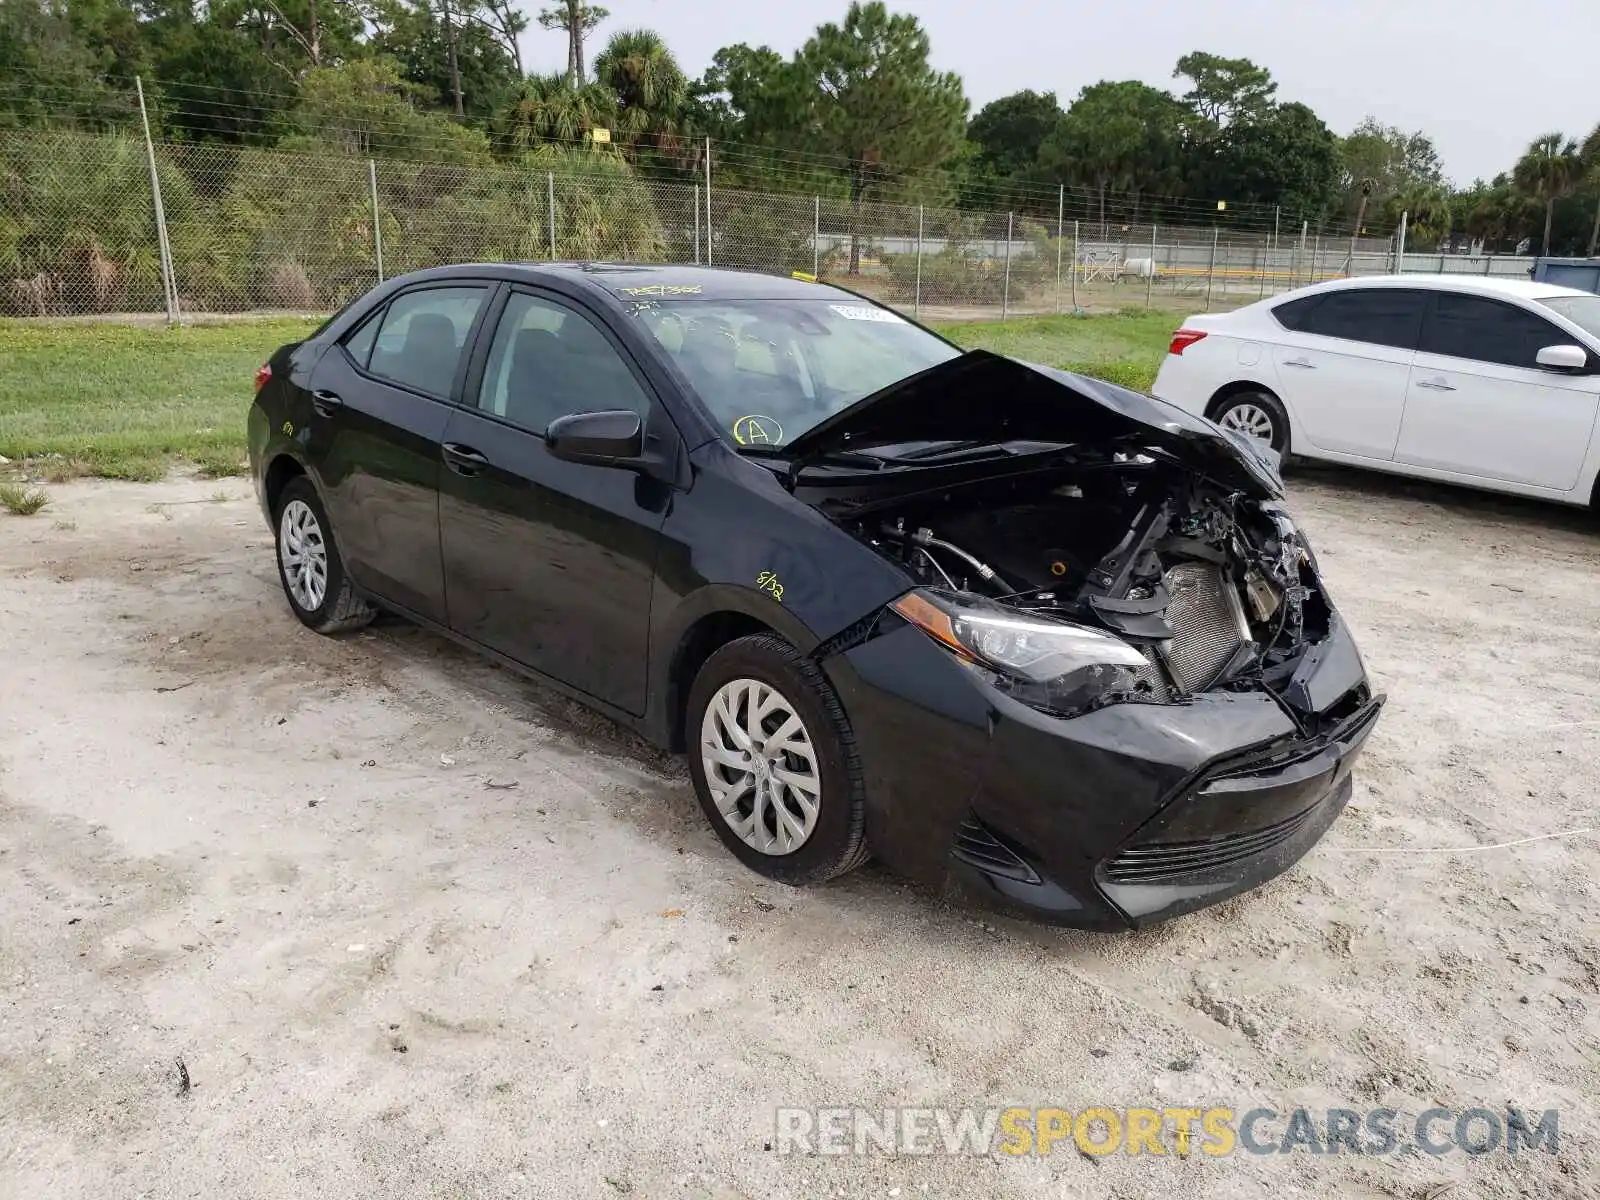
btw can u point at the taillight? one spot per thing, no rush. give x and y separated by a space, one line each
1183 339
263 373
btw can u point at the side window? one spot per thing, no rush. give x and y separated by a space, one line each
358 344
1379 316
1487 331
423 334
548 360
1293 313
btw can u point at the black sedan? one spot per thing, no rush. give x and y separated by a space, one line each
1033 638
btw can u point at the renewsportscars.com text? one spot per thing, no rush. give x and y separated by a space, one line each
1178 1131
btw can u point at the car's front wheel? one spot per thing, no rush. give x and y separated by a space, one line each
309 565
1255 414
774 762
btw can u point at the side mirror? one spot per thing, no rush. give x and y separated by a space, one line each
1562 358
614 438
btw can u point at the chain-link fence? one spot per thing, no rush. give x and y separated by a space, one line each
250 229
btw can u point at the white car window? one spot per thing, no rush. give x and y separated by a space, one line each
1484 330
1582 311
1379 316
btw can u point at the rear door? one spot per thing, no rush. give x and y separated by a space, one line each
1345 364
550 562
1479 403
380 402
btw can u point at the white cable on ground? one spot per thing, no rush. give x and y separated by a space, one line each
1538 837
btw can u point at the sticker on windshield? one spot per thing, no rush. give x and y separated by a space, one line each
756 430
860 312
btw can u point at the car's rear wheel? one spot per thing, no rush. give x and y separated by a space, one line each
1255 414
309 565
774 762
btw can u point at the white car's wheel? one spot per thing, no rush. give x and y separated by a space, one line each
1255 414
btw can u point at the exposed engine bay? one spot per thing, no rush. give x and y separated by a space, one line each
1214 588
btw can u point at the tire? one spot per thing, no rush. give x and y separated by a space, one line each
307 557
1245 412
764 671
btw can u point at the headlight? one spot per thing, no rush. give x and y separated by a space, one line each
1050 665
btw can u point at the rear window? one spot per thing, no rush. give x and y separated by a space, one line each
1376 316
1582 311
1292 315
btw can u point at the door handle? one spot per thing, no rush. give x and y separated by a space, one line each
1435 385
1305 364
463 460
325 402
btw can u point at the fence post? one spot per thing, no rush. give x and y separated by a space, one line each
697 224
550 178
1316 261
169 285
1150 277
1266 262
1061 221
1005 293
1304 225
1400 253
916 303
816 237
1211 271
1074 266
1488 259
708 201
377 217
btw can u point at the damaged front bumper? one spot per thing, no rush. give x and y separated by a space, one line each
1124 816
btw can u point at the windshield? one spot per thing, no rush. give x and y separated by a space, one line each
1583 311
769 370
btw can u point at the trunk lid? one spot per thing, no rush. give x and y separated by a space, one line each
985 396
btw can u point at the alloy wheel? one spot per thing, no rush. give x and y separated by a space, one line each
761 766
1250 420
304 554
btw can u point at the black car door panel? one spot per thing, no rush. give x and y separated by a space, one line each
379 406
549 562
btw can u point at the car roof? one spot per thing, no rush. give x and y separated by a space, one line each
1481 285
633 281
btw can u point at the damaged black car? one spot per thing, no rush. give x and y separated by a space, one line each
1039 641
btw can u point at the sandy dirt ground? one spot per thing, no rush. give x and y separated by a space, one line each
297 865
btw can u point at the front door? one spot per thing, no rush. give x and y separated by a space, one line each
1479 403
548 562
380 401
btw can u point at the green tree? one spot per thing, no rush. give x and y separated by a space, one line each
651 89
50 71
441 49
1591 163
545 110
1388 161
1283 154
863 92
364 107
1223 89
577 20
1549 170
1117 137
1009 131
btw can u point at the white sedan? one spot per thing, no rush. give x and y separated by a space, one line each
1492 383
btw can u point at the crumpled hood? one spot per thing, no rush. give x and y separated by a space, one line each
984 396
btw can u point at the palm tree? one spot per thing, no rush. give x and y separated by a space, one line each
1591 159
651 89
1548 171
545 109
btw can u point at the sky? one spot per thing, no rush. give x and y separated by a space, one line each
1482 77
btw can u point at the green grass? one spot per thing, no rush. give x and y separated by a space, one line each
1125 348
124 401
127 402
22 501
